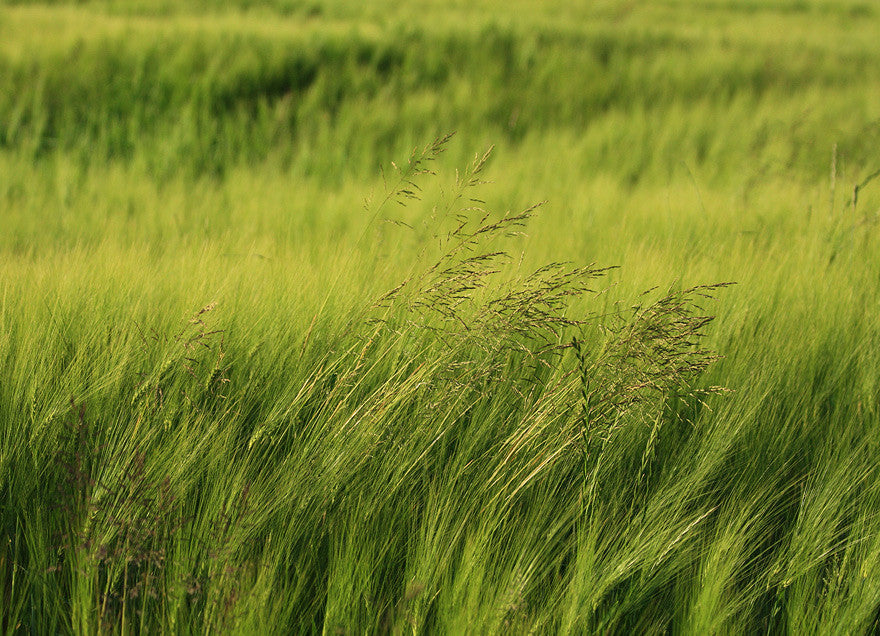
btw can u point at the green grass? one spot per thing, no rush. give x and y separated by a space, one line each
214 418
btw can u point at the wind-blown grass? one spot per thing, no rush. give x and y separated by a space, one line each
181 489
235 400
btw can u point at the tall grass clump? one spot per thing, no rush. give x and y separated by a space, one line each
481 396
443 460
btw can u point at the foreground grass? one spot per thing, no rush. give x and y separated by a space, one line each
259 467
209 423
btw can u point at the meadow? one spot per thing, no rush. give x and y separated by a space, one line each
439 317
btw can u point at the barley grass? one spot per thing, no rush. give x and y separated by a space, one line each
257 378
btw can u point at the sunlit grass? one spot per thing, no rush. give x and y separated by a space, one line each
214 421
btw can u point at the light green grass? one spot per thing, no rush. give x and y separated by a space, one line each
295 459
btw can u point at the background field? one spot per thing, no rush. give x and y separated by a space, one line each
207 425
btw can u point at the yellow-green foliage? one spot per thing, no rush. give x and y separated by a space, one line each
244 390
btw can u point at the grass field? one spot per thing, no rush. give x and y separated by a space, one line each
279 355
